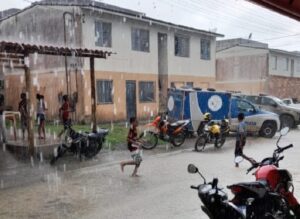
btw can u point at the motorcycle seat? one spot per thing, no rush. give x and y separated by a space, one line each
178 123
258 187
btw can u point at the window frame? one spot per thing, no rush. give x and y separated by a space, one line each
183 36
274 64
154 92
287 63
97 41
98 97
209 49
140 43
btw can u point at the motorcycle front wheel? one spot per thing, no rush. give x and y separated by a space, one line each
200 143
219 142
60 152
150 140
178 139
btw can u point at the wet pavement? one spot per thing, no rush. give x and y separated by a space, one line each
98 189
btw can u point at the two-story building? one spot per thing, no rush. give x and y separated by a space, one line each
252 67
150 56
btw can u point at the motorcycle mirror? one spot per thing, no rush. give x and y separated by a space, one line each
284 131
192 168
238 159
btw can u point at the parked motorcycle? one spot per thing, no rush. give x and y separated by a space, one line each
87 144
259 203
270 182
212 133
160 128
215 200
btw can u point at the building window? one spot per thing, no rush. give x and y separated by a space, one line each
147 91
298 66
140 40
205 49
182 46
190 84
104 91
274 62
103 34
286 64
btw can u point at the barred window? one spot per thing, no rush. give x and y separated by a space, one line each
140 40
182 46
104 91
205 49
147 91
103 34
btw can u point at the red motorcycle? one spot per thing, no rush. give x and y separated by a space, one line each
272 194
161 128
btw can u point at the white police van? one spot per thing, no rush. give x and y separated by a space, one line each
193 104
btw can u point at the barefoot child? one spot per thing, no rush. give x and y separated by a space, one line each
240 137
134 147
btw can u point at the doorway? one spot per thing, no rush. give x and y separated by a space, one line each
131 99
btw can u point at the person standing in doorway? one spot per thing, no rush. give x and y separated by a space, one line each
23 111
41 108
134 146
2 120
64 113
240 137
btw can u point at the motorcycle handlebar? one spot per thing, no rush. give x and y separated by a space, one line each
279 150
195 187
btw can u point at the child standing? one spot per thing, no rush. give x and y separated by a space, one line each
41 115
64 114
240 137
2 124
23 112
134 147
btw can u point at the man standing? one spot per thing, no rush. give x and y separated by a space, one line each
2 124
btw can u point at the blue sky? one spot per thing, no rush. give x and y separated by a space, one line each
233 18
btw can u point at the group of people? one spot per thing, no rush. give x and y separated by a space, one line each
23 108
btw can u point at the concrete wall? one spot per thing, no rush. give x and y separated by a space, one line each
242 69
283 87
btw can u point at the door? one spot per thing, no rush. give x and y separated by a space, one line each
131 99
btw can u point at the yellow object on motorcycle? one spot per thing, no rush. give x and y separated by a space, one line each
215 129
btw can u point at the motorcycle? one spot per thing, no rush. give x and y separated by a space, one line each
212 133
270 180
215 200
259 203
87 144
160 128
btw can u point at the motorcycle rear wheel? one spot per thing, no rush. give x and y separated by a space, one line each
93 149
200 143
150 140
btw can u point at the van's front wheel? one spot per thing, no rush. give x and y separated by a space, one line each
268 129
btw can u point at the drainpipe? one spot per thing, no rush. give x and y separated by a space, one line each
65 41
